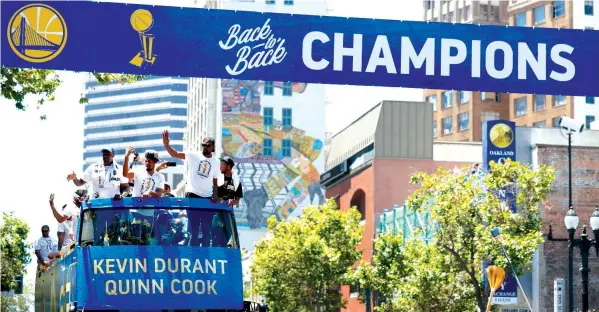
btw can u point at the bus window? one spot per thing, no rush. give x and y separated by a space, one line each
165 227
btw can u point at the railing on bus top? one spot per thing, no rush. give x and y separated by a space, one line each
156 202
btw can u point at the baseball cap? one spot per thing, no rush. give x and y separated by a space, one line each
228 160
151 154
108 150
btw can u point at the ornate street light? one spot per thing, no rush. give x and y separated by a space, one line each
571 221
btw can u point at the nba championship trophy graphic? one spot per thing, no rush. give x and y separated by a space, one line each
142 22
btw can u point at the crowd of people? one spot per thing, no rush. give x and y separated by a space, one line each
108 179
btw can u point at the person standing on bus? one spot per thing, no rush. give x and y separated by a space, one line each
105 176
148 181
229 186
46 247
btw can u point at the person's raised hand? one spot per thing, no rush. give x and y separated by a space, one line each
165 138
72 176
130 150
51 198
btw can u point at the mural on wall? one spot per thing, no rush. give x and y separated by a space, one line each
274 158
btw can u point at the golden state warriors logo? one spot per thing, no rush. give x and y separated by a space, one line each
501 135
142 22
37 33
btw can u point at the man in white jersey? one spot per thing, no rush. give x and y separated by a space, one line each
202 171
45 247
148 181
68 228
105 176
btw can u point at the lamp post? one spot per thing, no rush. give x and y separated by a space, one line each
571 221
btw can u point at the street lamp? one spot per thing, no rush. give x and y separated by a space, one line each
571 221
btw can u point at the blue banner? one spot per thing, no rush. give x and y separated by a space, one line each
171 41
159 278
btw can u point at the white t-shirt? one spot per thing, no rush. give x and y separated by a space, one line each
144 182
46 245
67 228
105 180
200 172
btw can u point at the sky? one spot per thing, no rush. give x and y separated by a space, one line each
37 155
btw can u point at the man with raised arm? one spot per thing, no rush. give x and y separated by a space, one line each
148 181
202 169
105 176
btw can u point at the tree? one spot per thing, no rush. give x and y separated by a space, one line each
18 83
301 263
15 250
19 303
446 274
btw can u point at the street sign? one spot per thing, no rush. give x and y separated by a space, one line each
558 295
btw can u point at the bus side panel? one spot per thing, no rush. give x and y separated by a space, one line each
54 287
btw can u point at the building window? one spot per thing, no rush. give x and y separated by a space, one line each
267 147
464 119
555 122
488 116
433 100
430 4
464 97
450 17
434 128
287 88
286 117
288 2
447 125
268 114
286 148
467 12
497 97
559 100
540 124
559 8
446 99
590 100
358 200
589 119
520 106
270 1
539 102
268 88
588 7
589 28
539 14
521 19
483 96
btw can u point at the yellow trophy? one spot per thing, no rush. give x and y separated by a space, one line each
142 22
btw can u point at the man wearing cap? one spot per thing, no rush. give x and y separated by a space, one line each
105 176
201 170
148 182
229 187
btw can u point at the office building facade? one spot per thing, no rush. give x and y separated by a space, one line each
135 114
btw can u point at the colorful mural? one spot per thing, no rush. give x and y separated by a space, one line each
275 160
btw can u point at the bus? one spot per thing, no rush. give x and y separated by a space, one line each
148 254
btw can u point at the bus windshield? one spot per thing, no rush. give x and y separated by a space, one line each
158 226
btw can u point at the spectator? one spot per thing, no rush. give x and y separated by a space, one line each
201 174
167 191
105 177
148 182
46 248
229 187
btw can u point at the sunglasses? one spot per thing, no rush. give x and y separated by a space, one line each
206 144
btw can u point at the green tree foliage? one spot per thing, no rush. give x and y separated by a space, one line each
15 249
446 274
18 83
19 303
301 263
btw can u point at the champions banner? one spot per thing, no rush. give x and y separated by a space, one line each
159 277
171 41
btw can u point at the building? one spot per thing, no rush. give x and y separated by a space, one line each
458 115
274 130
135 114
541 110
371 161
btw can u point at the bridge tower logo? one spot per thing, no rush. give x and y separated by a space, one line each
37 33
142 22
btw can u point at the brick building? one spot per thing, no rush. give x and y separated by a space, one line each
458 115
371 160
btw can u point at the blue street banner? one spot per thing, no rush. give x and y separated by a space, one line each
159 277
190 42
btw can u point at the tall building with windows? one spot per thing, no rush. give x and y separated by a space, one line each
458 115
275 131
135 114
541 110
